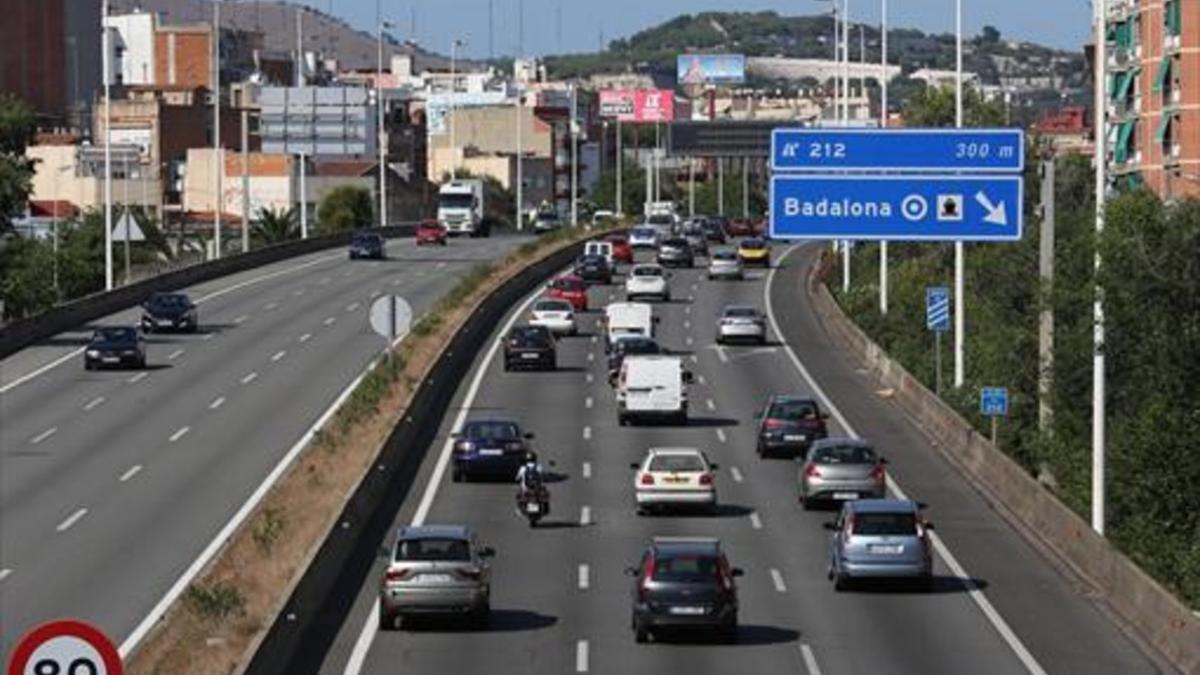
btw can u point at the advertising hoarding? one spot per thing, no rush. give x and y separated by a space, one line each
710 68
638 105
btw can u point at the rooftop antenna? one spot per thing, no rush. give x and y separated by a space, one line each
491 29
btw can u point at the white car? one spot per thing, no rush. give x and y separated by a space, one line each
725 265
674 477
741 322
643 236
556 315
647 280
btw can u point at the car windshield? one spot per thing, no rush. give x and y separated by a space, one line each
115 335
642 232
592 260
637 346
568 285
552 306
885 523
647 272
793 410
456 201
457 550
660 219
492 431
741 312
843 454
676 463
616 240
685 568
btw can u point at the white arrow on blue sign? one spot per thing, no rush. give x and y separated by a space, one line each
937 309
993 401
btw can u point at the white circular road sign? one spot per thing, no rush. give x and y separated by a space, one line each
65 648
391 316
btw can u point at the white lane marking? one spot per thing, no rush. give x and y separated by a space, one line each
589 378
736 473
584 580
585 515
595 339
179 434
5 572
777 579
810 659
755 521
208 336
687 324
324 281
370 626
40 371
352 306
71 520
306 337
587 469
43 436
249 378
93 403
330 321
175 354
587 402
1014 643
722 355
591 357
688 339
441 266
581 656
270 306
217 403
587 433
375 294
131 472
687 310
298 292
278 355
241 319
694 359
138 378
396 282
710 404
701 380
721 436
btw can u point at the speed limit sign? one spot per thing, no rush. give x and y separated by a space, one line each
65 648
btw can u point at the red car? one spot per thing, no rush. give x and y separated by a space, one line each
431 232
570 288
622 251
740 227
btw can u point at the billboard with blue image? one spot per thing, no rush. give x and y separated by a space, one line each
711 68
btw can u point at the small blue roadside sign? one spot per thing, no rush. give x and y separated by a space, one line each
937 309
898 150
993 401
908 208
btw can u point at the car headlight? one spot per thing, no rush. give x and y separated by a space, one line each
94 353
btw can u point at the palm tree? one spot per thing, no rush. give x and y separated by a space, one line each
275 225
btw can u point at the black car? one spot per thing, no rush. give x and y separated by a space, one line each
169 311
593 269
116 346
493 448
530 347
676 251
697 239
367 245
714 229
684 584
790 424
625 345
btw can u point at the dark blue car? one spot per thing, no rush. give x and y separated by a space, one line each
493 448
367 245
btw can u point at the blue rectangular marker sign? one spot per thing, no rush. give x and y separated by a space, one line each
899 208
993 401
900 150
937 309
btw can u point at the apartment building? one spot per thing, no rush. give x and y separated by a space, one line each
1154 95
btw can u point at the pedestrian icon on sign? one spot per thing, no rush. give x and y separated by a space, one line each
950 208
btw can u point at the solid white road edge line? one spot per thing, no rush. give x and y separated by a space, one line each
1023 654
810 659
366 635
71 520
581 656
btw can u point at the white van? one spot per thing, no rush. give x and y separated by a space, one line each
652 388
600 248
627 318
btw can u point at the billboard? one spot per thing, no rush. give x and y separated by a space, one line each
710 68
638 105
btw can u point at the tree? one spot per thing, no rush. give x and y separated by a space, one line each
17 128
934 107
346 207
27 284
990 35
275 225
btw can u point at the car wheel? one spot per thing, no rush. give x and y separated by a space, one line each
729 634
387 620
622 421
456 475
141 364
640 634
841 582
87 365
761 450
807 503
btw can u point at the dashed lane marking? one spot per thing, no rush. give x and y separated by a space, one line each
585 515
581 656
249 378
43 436
587 469
217 403
179 434
721 436
138 378
131 472
810 660
91 405
71 520
587 433
777 579
175 354
737 474
584 580
306 337
755 521
279 355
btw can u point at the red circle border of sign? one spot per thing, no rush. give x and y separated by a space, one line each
66 627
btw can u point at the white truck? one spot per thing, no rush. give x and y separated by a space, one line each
460 207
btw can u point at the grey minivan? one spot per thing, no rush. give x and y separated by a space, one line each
880 539
436 569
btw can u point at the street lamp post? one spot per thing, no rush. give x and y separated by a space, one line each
1099 412
380 112
574 136
453 91
520 105
960 300
108 223
218 156
883 122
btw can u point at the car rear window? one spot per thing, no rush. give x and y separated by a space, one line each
647 272
748 312
492 431
458 550
676 463
904 523
685 568
637 346
724 255
793 410
116 334
676 241
844 454
552 306
753 244
643 232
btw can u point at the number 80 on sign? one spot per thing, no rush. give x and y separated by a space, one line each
65 648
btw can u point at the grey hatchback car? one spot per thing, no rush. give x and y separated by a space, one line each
880 539
840 469
436 570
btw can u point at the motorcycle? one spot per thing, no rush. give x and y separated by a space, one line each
534 504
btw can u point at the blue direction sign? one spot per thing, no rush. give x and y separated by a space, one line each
993 401
937 309
932 208
899 150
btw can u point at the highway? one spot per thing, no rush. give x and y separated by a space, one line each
562 604
114 485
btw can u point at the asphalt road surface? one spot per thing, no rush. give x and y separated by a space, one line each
114 483
562 604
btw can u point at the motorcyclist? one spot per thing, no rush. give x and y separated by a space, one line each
530 475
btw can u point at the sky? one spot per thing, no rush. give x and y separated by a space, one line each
585 23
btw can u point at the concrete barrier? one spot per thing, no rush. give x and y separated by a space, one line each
24 332
1147 608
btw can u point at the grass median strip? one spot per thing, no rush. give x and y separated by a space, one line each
226 610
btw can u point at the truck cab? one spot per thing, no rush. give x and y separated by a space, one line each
460 207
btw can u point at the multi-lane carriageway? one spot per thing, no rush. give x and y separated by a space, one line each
561 602
116 487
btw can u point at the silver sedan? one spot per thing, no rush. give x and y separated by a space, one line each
841 469
725 265
741 322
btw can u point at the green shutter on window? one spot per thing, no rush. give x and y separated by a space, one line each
1164 125
1163 75
1121 152
1125 84
1174 12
